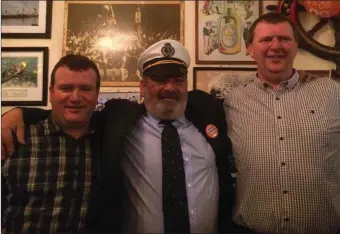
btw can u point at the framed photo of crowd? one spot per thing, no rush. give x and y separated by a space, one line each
24 76
26 19
115 33
218 81
221 28
105 94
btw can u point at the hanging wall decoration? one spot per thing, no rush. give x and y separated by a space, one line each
115 33
221 28
26 19
24 76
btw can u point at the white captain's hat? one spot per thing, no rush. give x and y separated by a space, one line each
166 57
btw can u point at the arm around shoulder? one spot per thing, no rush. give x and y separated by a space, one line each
12 123
34 115
24 115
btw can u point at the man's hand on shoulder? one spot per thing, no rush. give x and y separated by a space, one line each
11 124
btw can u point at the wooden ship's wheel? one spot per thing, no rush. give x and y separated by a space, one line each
293 9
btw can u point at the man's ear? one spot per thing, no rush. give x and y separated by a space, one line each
50 89
142 85
250 50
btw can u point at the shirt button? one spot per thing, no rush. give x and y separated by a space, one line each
277 98
186 159
192 212
281 138
279 117
283 164
285 191
312 111
189 185
286 219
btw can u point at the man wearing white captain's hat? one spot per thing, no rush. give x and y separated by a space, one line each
205 147
164 85
136 192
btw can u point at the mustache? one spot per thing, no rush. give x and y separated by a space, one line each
280 52
169 94
74 106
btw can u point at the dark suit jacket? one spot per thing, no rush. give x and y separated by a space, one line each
117 120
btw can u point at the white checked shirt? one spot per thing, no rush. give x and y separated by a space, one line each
286 143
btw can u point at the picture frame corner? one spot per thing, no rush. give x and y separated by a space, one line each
17 70
27 31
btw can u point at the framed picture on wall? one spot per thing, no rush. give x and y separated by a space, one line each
326 74
26 19
218 81
24 76
221 28
115 33
105 95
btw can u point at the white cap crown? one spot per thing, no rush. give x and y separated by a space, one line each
167 49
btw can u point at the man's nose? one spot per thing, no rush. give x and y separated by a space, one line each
169 84
276 43
76 95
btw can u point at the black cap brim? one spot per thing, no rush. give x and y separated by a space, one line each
167 70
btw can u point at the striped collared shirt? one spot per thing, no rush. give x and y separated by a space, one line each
286 143
48 182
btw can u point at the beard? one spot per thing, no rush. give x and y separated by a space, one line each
166 106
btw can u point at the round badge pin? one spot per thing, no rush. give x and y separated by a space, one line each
211 131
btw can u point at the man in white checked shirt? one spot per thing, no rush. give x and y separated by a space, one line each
286 139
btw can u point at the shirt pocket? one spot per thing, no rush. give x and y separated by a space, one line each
318 124
203 156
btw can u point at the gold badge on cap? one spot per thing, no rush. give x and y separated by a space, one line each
211 131
168 50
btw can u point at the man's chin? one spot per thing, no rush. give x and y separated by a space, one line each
171 113
75 122
167 106
168 102
276 67
276 70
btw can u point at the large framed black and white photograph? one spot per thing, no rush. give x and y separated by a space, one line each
24 76
218 81
26 19
115 33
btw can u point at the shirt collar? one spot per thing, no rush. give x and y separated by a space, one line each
177 122
51 126
287 84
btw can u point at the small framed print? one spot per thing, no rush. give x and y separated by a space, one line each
218 81
106 94
26 19
221 28
24 76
